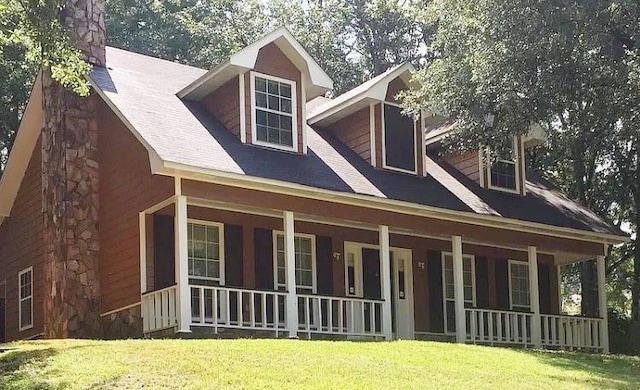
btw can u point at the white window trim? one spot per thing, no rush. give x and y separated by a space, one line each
511 305
518 170
444 285
384 143
294 112
20 299
314 275
220 227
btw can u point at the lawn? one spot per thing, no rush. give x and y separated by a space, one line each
295 364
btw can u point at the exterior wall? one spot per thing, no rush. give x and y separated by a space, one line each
272 61
362 214
467 163
224 104
22 246
354 131
126 188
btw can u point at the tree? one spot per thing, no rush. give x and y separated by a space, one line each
568 65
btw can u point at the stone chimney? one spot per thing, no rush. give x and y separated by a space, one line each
70 187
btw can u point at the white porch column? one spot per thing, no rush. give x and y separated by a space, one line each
182 266
290 260
458 291
602 305
385 281
142 226
534 297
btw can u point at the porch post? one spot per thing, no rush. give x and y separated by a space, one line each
290 260
534 297
458 291
181 266
385 281
602 305
142 226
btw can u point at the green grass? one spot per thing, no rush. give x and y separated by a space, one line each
296 364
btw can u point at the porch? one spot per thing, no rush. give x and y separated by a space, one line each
280 274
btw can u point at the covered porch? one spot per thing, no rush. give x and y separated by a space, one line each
214 267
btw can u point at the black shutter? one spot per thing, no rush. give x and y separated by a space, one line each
544 283
324 265
233 255
482 282
163 251
434 272
502 283
263 244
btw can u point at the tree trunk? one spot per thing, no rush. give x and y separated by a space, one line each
635 288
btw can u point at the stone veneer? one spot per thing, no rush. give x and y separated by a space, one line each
70 188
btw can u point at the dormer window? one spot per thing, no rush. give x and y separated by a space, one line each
273 102
399 139
504 173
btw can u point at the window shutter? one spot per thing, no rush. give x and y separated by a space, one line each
263 258
482 282
544 280
164 251
434 272
324 265
502 283
233 255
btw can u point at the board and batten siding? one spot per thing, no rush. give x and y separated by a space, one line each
126 188
22 246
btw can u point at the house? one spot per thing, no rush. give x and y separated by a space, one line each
240 200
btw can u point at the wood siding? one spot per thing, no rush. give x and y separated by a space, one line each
22 246
467 163
273 62
224 104
355 132
126 188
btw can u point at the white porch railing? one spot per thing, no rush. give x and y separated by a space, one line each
340 316
159 309
498 327
571 331
235 308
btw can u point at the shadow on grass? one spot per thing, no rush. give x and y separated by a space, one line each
17 370
608 371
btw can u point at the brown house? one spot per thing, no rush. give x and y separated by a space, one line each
240 198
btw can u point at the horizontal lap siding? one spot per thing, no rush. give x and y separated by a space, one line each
22 246
467 163
224 104
126 188
354 131
248 197
273 62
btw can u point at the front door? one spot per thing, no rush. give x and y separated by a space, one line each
362 279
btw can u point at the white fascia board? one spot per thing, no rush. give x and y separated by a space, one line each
23 148
294 189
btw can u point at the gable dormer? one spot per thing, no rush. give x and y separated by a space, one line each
369 120
260 93
505 173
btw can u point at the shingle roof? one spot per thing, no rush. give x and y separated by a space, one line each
143 89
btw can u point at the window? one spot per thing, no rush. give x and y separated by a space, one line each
206 262
519 286
469 287
399 140
274 112
504 173
305 262
25 306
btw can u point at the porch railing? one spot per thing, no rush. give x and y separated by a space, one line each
339 316
235 308
498 327
571 331
159 309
